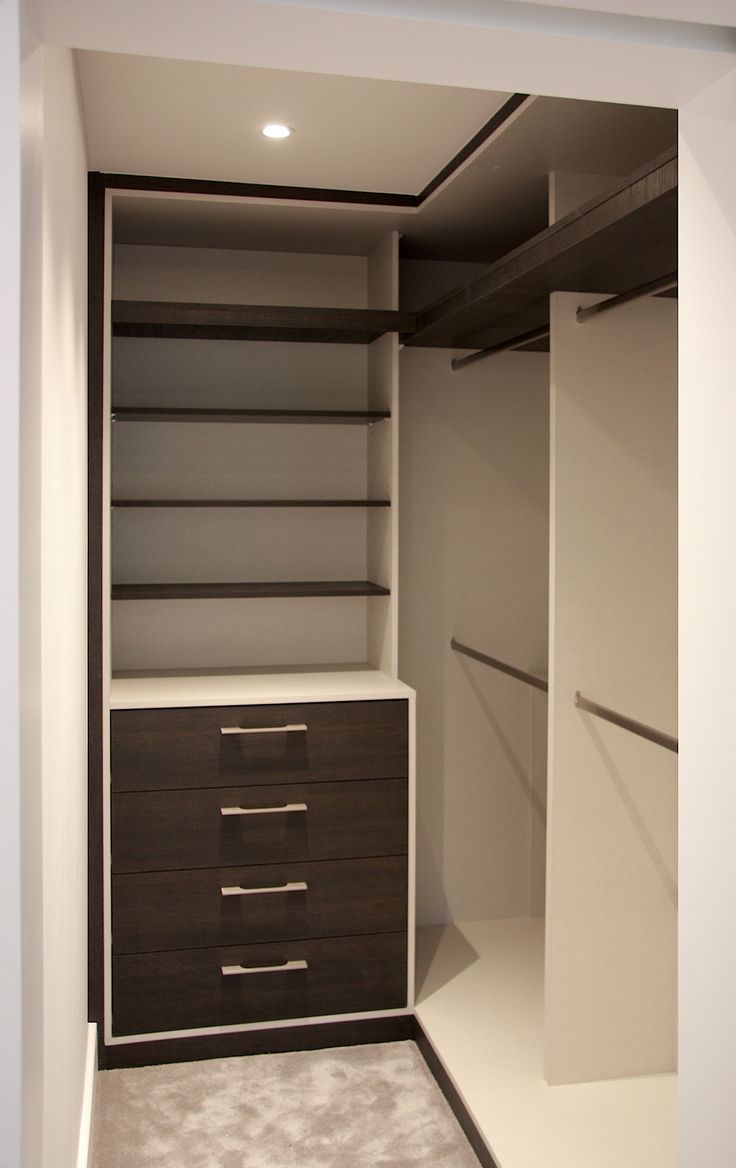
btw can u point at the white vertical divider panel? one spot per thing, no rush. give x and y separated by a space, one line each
707 971
21 832
611 841
538 799
382 464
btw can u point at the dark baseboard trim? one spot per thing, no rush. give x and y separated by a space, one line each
448 1089
245 1042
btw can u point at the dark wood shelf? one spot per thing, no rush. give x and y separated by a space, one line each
618 241
251 503
255 322
279 589
286 417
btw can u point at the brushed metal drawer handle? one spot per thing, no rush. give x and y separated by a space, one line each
237 890
287 807
290 728
286 967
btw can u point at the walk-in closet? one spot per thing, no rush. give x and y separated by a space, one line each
383 612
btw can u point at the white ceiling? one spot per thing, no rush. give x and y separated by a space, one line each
173 118
147 115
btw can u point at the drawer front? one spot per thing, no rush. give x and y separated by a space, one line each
163 830
232 906
187 989
157 749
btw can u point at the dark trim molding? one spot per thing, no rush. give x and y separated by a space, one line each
195 186
502 115
198 186
448 1089
95 345
276 1041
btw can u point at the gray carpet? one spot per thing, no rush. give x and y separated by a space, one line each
353 1107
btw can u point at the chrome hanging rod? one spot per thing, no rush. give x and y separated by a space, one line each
644 731
515 343
521 674
664 284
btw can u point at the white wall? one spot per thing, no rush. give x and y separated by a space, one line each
707 630
30 553
53 551
612 861
473 520
64 607
585 60
10 838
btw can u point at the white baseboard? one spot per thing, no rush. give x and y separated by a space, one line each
84 1155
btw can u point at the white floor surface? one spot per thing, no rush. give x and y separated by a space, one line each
480 993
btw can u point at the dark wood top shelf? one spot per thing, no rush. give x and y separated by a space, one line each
622 239
255 322
291 417
251 503
248 591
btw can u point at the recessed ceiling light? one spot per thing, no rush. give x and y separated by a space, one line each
277 130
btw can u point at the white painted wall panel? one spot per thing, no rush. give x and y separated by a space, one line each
611 874
218 276
239 374
474 481
208 634
707 630
54 621
64 609
185 460
15 1027
200 544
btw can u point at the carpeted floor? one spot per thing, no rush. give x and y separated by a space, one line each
353 1107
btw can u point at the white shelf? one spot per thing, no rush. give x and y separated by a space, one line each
480 1000
254 687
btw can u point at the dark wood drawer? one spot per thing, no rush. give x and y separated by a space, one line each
187 989
185 910
157 749
161 830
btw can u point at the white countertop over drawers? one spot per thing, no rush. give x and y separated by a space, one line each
252 688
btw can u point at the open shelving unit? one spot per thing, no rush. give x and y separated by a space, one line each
248 572
239 484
